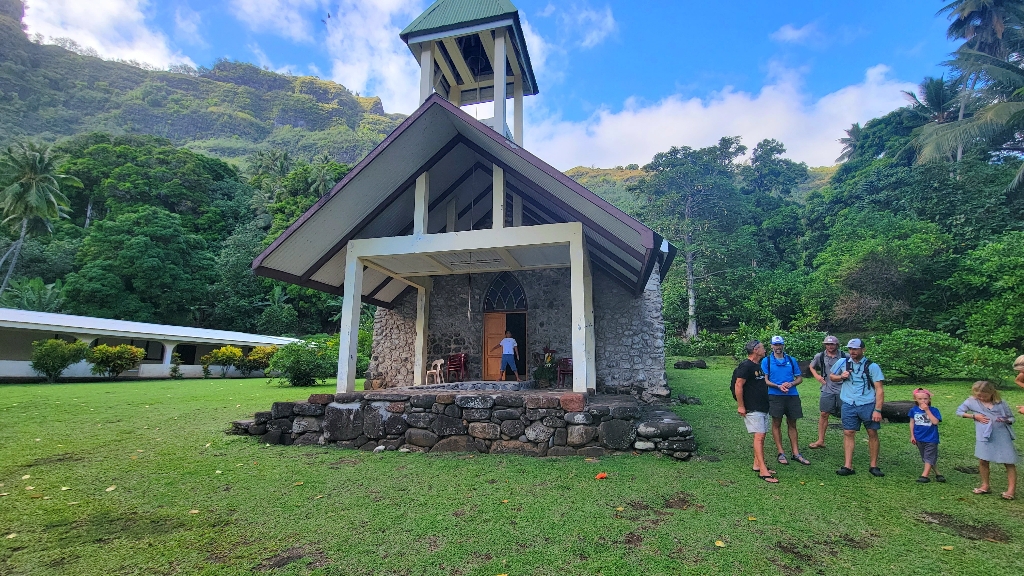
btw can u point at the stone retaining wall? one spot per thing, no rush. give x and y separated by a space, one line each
497 423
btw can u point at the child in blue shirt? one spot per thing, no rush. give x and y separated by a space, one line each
924 433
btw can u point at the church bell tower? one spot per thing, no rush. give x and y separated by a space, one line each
473 52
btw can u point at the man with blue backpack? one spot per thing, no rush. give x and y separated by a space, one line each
862 396
782 374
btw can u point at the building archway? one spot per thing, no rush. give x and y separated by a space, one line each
505 307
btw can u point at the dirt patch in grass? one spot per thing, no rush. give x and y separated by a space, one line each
56 459
294 554
988 532
683 501
344 462
633 539
433 544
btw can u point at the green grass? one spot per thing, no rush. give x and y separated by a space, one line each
162 444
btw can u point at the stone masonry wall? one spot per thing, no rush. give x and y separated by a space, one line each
534 424
629 333
629 336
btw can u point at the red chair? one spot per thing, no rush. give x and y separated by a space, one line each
457 365
564 369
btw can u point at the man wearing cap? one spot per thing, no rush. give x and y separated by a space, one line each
862 398
782 374
829 403
751 394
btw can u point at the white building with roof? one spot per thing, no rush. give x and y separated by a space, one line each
20 328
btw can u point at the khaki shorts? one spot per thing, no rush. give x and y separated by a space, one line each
757 422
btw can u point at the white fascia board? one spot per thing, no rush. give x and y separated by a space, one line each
524 236
459 31
85 325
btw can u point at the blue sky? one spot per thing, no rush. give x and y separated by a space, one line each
619 80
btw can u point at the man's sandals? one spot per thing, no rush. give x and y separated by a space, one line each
796 456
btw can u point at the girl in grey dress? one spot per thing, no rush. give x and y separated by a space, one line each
994 434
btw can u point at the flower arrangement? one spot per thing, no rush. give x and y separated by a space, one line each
547 365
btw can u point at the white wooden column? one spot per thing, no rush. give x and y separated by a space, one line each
348 332
426 70
500 90
498 198
588 310
517 110
582 315
419 368
421 201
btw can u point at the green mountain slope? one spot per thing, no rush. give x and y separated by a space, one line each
608 183
228 111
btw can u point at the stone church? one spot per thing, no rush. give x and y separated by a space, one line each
457 233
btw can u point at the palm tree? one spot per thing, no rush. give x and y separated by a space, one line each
850 142
983 24
1002 119
32 192
321 177
938 101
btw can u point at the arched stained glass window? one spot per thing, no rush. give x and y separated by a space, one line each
506 294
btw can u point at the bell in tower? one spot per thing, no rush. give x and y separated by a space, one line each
471 52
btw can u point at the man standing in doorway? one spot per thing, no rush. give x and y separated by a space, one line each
829 404
751 394
782 374
862 398
509 353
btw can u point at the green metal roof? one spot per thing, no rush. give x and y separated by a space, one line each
445 14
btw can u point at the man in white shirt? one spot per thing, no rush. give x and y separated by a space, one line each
509 353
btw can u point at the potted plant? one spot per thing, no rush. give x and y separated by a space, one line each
547 367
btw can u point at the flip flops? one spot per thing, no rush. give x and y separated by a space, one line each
773 480
1007 496
816 446
980 491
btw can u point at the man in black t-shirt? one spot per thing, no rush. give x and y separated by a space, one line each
751 393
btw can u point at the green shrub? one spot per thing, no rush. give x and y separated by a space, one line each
52 357
176 367
225 357
362 363
111 361
257 359
704 344
802 345
307 363
984 363
916 354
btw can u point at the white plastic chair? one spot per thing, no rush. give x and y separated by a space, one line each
437 371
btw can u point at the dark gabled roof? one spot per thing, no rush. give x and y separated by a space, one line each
445 15
375 200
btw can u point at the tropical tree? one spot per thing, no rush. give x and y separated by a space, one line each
937 99
35 295
983 24
31 193
686 195
853 137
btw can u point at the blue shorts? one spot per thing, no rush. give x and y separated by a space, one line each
508 360
853 416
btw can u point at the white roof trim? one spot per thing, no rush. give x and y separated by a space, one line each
85 325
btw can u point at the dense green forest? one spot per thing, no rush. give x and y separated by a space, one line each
919 225
228 111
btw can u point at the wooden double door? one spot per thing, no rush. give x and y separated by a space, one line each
495 325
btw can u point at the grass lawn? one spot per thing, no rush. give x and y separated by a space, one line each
154 486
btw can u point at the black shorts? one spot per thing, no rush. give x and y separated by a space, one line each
788 406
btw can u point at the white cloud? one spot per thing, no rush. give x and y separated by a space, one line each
263 61
595 25
793 35
781 109
186 26
115 28
368 57
292 19
547 11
